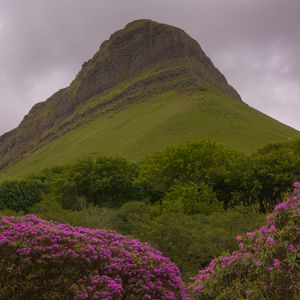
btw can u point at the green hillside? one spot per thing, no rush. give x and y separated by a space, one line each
155 123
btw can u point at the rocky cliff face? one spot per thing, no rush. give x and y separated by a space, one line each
144 58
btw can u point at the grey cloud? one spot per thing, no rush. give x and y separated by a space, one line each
255 43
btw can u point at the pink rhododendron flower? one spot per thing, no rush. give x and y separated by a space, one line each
281 206
250 234
270 218
258 263
269 268
199 288
297 185
291 247
276 263
270 241
239 238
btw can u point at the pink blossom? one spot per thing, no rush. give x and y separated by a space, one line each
239 238
272 228
250 234
269 268
291 247
270 241
258 262
199 288
281 206
297 185
276 263
270 218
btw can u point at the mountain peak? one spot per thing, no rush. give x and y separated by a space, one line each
139 23
142 59
143 45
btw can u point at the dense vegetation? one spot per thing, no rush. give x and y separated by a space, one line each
103 181
190 241
266 265
189 201
98 264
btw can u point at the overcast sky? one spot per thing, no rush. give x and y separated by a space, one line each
255 44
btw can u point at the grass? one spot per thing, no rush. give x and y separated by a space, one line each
151 125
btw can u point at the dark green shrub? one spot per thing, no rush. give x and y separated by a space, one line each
21 195
191 199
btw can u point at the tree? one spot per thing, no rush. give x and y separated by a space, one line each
267 175
105 181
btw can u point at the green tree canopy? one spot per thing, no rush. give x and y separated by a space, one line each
194 162
106 181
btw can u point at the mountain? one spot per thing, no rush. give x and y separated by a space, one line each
150 85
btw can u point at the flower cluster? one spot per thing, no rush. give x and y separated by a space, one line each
266 265
45 260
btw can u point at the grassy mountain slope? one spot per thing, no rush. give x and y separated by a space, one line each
153 124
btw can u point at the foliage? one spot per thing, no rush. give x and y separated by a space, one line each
9 212
258 180
184 167
267 264
91 216
263 178
191 199
104 181
48 176
192 241
196 162
276 167
42 260
132 217
21 195
185 178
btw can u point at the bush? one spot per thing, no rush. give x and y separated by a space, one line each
43 260
132 217
266 266
191 199
21 195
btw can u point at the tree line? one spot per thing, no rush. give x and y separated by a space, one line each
195 177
